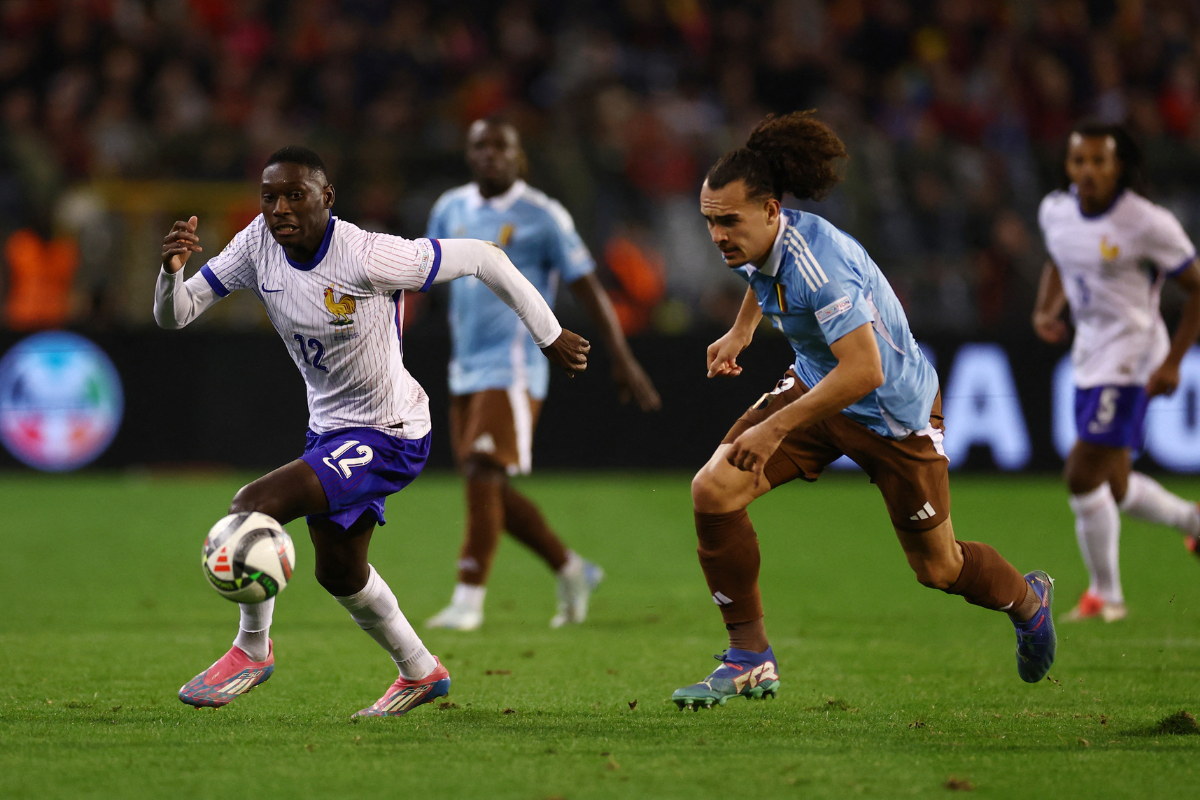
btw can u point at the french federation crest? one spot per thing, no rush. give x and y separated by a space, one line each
341 309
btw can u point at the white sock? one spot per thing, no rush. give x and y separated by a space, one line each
574 566
1147 499
468 596
376 611
1098 529
254 629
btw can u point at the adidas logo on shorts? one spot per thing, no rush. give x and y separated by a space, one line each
925 513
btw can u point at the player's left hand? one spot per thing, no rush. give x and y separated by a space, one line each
634 384
1165 380
568 351
751 451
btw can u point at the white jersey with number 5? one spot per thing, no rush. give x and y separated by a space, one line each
1113 266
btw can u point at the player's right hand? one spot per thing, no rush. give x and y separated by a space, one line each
1050 329
723 353
568 351
179 244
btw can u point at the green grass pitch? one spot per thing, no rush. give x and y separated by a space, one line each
888 689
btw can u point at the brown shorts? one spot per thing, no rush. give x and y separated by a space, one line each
487 423
911 473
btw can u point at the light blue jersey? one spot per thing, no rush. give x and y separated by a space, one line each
818 285
491 348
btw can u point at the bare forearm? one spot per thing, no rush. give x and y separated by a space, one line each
1188 330
599 308
1051 299
749 315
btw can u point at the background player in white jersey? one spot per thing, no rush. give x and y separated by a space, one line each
335 294
497 379
1111 250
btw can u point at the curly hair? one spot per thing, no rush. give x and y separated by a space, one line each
794 153
1129 152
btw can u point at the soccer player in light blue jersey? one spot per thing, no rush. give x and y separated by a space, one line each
859 386
498 378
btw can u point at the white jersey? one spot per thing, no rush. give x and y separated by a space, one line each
1113 266
341 314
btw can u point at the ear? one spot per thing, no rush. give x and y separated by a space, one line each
327 196
772 207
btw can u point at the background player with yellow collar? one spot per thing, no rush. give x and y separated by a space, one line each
498 378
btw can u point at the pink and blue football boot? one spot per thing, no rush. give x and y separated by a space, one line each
1036 640
743 673
233 675
405 695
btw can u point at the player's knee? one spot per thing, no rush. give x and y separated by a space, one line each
480 467
710 494
249 498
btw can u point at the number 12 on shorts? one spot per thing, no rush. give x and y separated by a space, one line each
345 466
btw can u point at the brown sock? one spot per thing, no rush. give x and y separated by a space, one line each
730 559
988 580
527 525
485 518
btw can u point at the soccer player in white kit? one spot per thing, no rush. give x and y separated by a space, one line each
1111 250
335 294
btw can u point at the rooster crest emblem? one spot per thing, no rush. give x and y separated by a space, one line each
1108 252
341 309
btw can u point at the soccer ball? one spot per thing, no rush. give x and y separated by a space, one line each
248 557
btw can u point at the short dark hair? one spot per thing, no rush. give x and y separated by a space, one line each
298 154
793 153
1129 152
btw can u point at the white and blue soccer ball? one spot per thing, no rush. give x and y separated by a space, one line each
248 557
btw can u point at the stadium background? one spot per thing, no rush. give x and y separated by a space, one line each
117 117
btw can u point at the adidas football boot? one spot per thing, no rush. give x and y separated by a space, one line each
405 695
574 591
232 675
742 673
1036 640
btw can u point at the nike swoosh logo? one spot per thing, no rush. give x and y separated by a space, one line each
265 289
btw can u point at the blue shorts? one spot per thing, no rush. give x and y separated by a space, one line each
1113 416
359 467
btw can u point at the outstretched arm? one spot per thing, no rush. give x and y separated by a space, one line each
1165 379
723 353
631 379
859 372
488 263
178 302
1051 302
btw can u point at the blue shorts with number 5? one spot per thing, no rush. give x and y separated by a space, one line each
1113 416
359 467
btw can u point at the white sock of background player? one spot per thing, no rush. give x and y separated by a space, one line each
1147 499
254 629
1098 529
376 611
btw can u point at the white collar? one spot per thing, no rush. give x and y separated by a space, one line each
501 202
771 268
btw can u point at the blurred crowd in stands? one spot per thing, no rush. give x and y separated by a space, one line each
954 112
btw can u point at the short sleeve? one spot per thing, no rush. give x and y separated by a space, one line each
1044 212
394 263
567 252
831 289
1166 243
233 268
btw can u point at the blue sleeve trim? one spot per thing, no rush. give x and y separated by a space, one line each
437 264
1187 262
214 281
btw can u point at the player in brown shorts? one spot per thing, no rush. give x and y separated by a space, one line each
498 378
860 386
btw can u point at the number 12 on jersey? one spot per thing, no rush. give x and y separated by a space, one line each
315 345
